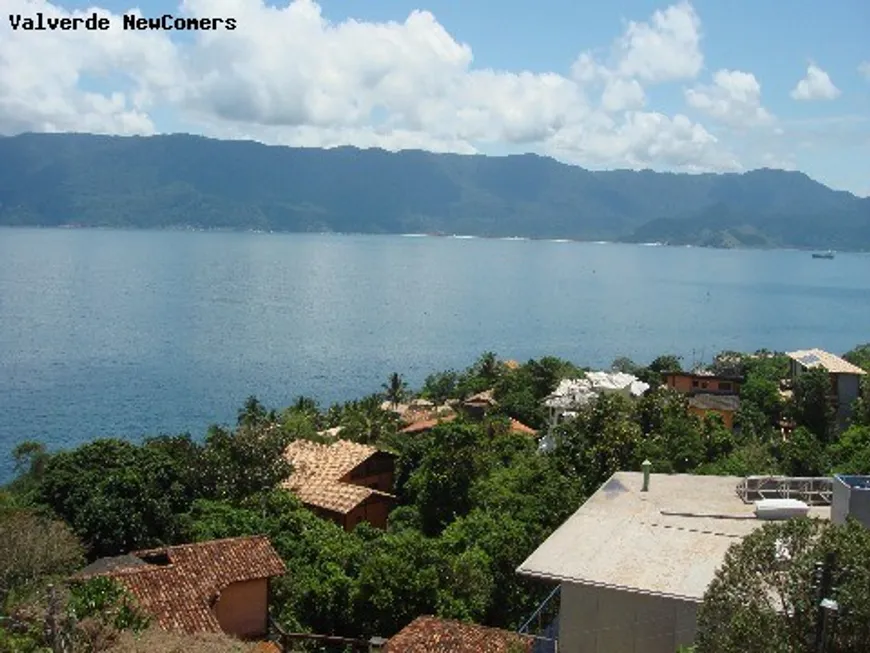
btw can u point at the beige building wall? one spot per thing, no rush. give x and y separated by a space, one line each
242 608
601 620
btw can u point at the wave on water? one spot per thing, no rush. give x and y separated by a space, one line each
463 237
414 235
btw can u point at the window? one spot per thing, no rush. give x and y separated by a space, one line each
724 385
703 384
694 384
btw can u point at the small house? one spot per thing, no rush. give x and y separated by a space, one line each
701 382
215 586
845 378
345 482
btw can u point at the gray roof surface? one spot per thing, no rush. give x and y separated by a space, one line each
715 402
624 538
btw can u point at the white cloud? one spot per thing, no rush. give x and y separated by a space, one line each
815 86
734 98
664 49
864 69
287 75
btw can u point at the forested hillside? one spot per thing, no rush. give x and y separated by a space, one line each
189 181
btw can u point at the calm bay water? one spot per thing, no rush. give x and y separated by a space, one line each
130 333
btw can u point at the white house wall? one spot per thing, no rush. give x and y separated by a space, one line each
601 620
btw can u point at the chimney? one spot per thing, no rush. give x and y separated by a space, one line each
646 464
851 499
377 644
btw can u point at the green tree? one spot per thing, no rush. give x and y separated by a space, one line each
765 597
440 386
813 406
441 484
254 414
604 438
396 389
850 453
860 356
34 548
237 464
116 496
803 454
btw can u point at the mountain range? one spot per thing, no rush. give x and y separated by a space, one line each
174 181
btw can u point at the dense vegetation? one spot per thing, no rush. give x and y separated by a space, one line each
187 181
475 499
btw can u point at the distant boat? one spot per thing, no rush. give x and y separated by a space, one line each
828 254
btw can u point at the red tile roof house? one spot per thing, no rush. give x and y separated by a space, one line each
433 635
345 482
216 586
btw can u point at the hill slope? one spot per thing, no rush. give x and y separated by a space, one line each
179 180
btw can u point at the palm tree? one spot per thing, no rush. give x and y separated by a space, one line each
488 366
396 389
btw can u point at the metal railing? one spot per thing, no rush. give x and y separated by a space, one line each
285 639
546 620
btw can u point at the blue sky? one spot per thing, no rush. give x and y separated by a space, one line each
710 85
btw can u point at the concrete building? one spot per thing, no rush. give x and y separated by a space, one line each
634 565
572 394
702 382
845 378
851 499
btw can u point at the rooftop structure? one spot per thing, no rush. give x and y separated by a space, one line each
667 541
812 490
338 477
851 499
809 358
433 635
186 588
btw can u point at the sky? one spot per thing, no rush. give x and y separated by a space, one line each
672 86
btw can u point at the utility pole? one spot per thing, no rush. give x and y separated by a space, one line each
825 605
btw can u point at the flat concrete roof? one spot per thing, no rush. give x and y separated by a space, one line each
668 541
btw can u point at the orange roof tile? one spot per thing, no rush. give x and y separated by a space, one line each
426 424
180 595
433 635
518 427
318 470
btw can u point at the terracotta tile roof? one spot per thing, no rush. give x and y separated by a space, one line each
518 427
266 647
426 424
319 470
180 594
433 635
